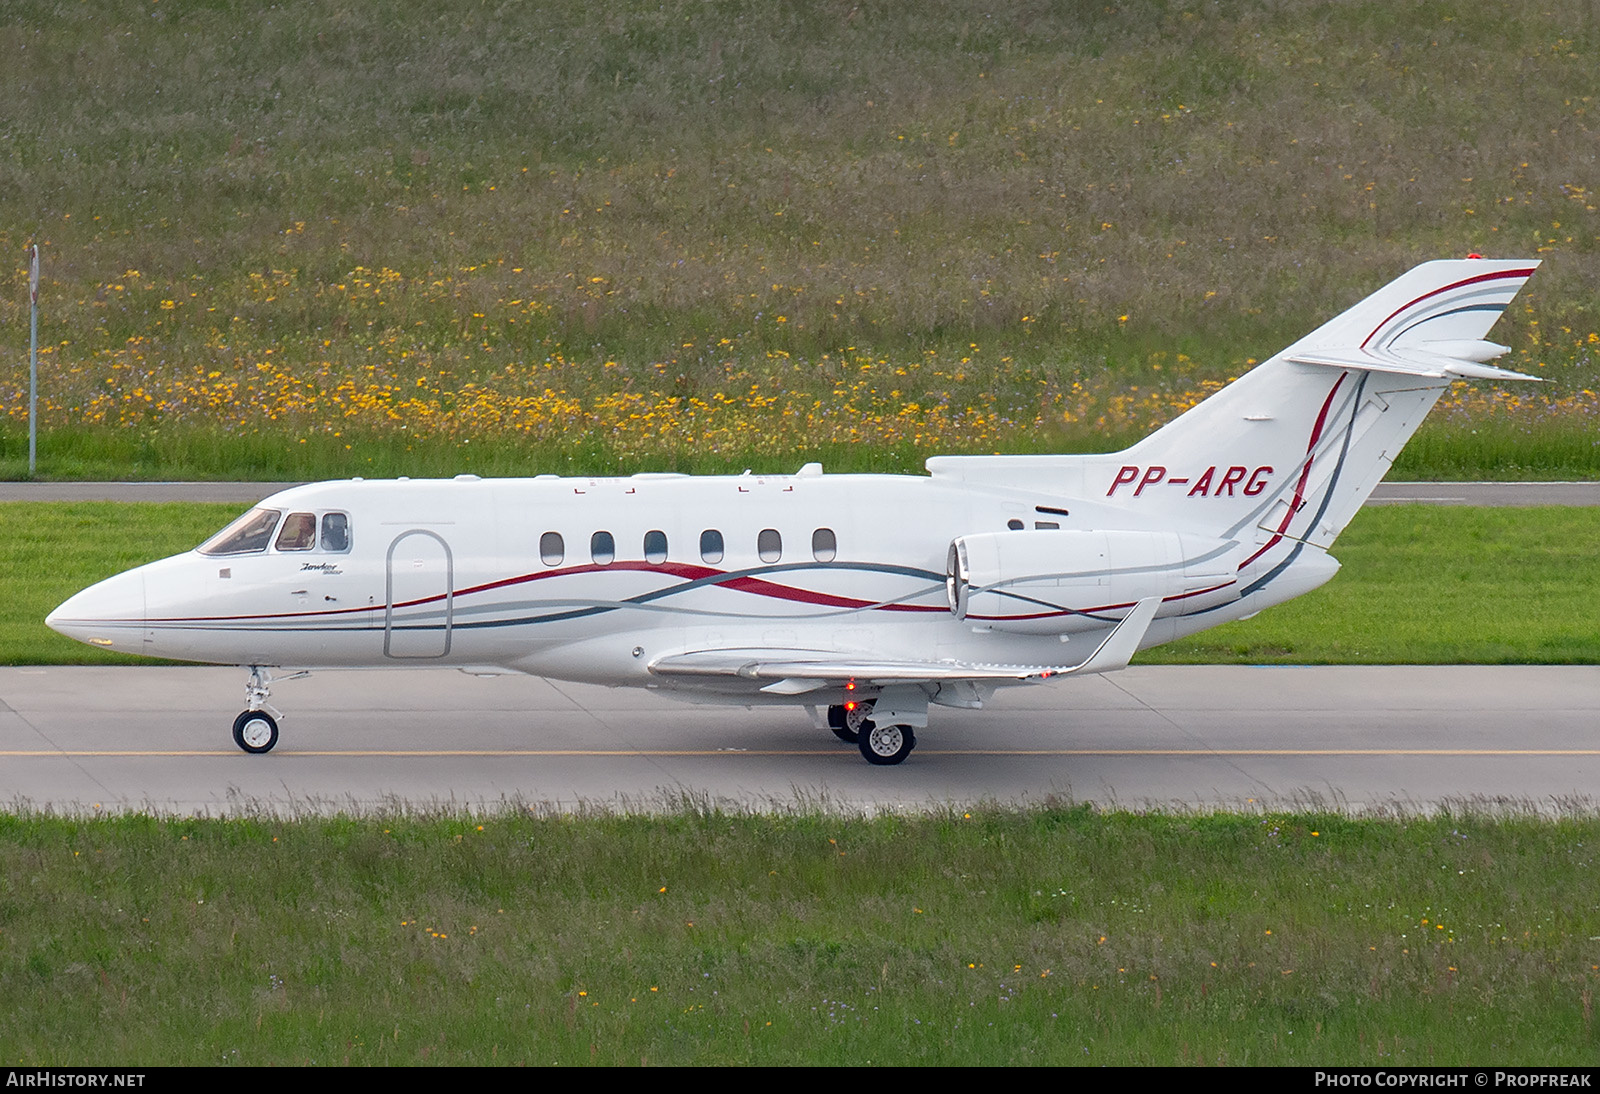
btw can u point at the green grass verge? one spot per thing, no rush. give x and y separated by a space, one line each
1056 936
1420 585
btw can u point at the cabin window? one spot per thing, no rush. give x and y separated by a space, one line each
769 545
1047 525
248 535
602 548
824 545
655 547
335 531
711 546
1014 524
552 549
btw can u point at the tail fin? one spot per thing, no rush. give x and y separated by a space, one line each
1308 434
1290 451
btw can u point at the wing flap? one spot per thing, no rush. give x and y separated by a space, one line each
789 667
791 671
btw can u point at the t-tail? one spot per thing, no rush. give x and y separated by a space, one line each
1287 454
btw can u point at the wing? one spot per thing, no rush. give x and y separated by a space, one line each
794 672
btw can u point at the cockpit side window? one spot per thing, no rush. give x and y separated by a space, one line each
299 533
250 534
335 531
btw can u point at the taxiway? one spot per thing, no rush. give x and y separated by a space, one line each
1355 738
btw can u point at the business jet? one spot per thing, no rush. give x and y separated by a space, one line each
866 599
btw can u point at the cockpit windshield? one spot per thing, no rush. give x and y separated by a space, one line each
248 535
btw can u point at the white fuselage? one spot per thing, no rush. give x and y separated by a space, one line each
468 572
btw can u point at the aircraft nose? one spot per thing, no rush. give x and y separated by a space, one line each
110 614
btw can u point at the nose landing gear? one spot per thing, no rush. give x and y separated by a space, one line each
256 729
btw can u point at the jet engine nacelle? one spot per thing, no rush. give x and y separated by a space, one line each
1062 582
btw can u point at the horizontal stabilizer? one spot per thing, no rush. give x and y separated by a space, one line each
791 670
1430 323
1410 361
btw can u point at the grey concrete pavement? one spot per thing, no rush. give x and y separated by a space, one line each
1356 738
1491 494
240 493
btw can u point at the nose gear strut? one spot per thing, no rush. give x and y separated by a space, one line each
256 728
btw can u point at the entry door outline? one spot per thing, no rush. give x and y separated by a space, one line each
388 596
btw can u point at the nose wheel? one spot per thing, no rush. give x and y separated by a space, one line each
255 731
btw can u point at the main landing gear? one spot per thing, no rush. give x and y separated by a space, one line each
256 729
881 745
846 719
884 745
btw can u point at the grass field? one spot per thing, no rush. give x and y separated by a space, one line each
1420 585
319 240
1057 936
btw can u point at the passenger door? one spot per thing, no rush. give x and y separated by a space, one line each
419 606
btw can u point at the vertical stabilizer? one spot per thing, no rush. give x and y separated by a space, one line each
1293 448
1286 455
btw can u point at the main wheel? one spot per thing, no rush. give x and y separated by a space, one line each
858 717
884 745
839 722
255 731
